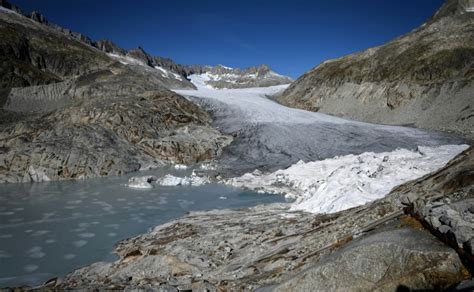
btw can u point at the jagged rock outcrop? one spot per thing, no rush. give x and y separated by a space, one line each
140 54
424 78
371 247
108 46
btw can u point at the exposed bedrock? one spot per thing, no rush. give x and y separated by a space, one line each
107 137
371 247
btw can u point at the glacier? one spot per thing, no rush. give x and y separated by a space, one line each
340 183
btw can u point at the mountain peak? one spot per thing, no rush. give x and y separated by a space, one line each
38 17
140 54
108 46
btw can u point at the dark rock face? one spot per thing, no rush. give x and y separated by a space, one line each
424 78
38 17
108 46
140 54
34 54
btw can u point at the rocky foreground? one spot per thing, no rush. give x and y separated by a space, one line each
393 243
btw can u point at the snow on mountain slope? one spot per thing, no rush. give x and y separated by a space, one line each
222 77
340 183
170 79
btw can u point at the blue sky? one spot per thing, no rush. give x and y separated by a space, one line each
290 36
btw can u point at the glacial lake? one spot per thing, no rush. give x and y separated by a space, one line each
50 229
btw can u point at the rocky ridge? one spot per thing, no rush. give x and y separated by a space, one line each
70 110
257 76
424 78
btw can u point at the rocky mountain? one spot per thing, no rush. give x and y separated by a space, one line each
215 76
221 76
69 110
424 78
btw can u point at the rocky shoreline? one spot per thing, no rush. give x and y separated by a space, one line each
383 245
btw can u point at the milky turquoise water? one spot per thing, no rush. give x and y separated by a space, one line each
50 229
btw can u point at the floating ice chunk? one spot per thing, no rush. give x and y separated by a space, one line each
180 166
35 249
30 268
40 233
208 166
4 254
86 235
171 180
69 256
37 255
6 213
141 182
80 243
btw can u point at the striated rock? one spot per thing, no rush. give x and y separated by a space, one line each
106 136
371 247
386 261
108 46
443 203
423 78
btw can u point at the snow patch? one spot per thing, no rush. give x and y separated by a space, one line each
126 60
38 174
6 10
340 183
225 67
167 73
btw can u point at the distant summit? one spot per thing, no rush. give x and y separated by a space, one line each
221 76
